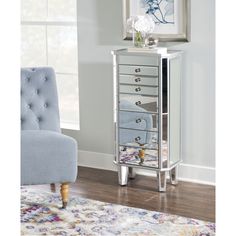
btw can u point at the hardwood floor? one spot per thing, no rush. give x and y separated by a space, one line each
185 199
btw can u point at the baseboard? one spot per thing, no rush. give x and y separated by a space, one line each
187 172
197 174
96 160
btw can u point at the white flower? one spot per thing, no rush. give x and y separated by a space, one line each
130 24
144 24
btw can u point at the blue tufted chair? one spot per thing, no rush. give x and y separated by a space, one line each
47 156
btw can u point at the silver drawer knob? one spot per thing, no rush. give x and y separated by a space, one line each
137 80
137 70
138 120
137 139
138 89
138 103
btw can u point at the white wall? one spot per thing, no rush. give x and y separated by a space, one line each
100 31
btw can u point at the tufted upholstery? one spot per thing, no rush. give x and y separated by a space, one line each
47 156
39 102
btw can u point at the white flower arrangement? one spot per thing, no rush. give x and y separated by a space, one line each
143 24
140 27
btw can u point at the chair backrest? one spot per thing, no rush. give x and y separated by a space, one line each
39 101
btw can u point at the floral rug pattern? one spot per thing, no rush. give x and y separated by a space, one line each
41 215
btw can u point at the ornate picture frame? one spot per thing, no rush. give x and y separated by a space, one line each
172 18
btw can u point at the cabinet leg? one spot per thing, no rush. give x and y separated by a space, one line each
174 176
123 172
161 181
132 173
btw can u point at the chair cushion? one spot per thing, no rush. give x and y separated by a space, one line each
47 157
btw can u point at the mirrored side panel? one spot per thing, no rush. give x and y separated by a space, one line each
163 113
175 110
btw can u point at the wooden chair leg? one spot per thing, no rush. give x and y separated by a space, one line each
53 188
64 194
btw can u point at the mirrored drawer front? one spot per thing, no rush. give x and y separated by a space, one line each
142 80
132 89
138 121
138 70
138 156
138 103
139 60
145 139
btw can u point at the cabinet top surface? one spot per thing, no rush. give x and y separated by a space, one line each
125 52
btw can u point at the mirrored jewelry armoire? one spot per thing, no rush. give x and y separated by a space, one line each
147 114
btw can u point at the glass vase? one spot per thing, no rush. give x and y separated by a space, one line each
139 40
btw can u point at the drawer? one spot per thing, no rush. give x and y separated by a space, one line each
138 121
130 155
138 70
135 89
138 60
138 103
136 137
135 79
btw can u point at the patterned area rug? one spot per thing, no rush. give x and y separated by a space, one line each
40 215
